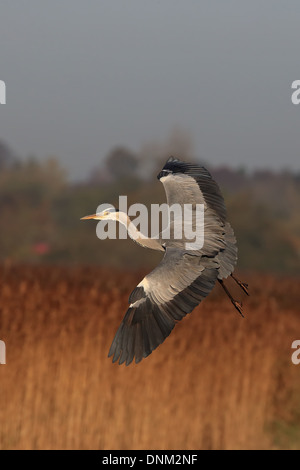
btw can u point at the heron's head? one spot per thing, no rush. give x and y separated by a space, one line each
107 214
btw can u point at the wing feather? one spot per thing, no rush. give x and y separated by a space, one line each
208 190
151 317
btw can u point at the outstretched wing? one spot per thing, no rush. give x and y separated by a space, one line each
187 183
173 289
190 184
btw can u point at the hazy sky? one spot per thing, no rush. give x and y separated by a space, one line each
83 77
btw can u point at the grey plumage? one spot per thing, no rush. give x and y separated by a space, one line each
184 277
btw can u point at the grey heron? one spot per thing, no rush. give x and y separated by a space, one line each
184 277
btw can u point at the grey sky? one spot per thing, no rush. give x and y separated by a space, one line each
83 77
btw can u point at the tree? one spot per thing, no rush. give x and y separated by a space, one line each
153 155
121 163
7 159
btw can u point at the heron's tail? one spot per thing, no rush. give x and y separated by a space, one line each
227 258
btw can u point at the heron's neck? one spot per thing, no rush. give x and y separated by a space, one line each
136 235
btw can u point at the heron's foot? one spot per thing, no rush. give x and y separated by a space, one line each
234 302
243 285
238 306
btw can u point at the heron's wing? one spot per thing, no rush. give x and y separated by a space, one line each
173 289
187 183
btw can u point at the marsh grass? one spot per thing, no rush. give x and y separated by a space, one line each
218 382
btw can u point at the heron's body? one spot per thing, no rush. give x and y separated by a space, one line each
184 277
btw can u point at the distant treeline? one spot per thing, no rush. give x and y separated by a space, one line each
40 211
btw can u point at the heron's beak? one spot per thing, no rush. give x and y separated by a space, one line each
89 217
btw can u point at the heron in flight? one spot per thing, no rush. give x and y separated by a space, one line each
184 277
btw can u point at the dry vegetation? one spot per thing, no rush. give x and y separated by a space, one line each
218 382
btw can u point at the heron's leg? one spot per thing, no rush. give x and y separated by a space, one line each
235 303
242 285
